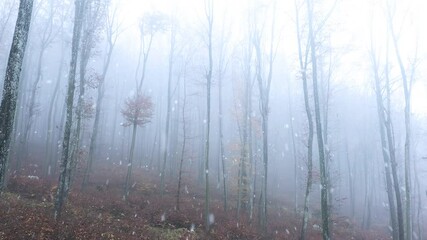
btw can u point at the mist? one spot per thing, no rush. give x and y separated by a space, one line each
202 119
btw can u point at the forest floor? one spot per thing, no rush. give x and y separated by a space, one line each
99 212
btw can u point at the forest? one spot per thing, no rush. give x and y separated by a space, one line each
213 119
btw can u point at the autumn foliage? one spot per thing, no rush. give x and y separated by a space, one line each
138 110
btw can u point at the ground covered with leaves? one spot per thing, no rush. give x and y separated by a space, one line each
98 211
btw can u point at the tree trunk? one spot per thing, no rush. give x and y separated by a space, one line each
129 172
319 131
209 15
184 132
264 90
221 136
385 151
11 83
407 89
49 143
63 182
303 69
168 111
100 97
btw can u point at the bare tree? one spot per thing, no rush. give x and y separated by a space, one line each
169 102
150 25
65 171
264 84
407 90
184 138
303 63
243 178
93 15
319 129
112 32
11 83
387 152
222 65
209 17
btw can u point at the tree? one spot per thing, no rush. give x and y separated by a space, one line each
137 111
150 25
11 83
49 139
264 84
65 171
112 32
209 18
303 59
169 102
319 130
184 142
387 151
407 90
92 19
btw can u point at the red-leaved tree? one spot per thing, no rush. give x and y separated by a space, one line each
137 111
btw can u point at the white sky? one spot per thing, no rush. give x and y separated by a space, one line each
352 20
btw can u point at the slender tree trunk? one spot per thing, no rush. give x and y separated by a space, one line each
419 213
366 209
63 182
309 152
303 69
244 153
129 172
100 97
294 149
168 111
252 170
49 143
184 141
350 182
11 83
407 87
264 90
221 148
319 131
150 165
209 16
385 151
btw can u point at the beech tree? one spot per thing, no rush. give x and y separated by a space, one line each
112 30
264 84
303 63
407 80
319 130
93 14
11 83
209 17
66 167
169 103
137 111
396 217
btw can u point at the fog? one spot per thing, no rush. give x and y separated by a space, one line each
316 109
